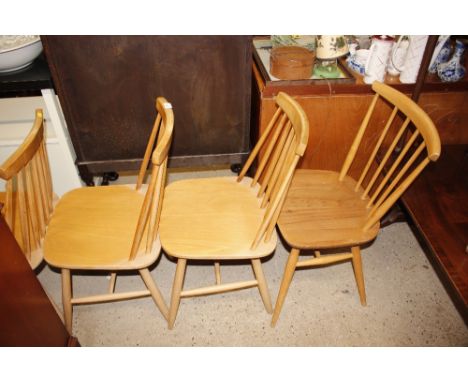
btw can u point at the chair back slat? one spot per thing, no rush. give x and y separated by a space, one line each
274 209
393 197
277 138
259 145
23 218
386 157
271 160
390 170
285 138
29 195
155 211
376 148
357 140
148 152
44 161
279 169
38 177
286 179
34 221
148 220
397 178
8 208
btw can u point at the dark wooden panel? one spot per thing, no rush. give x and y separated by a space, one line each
107 86
27 317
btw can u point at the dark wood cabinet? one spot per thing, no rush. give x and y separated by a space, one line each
107 87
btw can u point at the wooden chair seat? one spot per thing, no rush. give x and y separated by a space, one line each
213 216
80 237
321 211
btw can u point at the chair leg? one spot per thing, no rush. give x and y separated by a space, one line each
262 285
287 277
113 278
358 274
176 290
155 293
66 299
217 272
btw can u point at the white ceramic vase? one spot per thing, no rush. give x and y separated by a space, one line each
377 59
409 70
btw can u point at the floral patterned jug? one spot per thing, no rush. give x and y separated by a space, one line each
441 53
453 70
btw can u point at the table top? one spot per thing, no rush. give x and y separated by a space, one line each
437 202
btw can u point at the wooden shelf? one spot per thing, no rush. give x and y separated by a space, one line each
346 86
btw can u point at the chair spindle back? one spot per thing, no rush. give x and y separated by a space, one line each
283 142
148 222
389 171
29 196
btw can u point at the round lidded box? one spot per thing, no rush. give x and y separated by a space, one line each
291 62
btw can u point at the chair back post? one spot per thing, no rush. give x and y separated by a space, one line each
284 142
357 140
148 221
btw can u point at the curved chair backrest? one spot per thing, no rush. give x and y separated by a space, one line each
148 222
280 147
29 196
389 171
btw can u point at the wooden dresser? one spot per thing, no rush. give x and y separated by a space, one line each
107 86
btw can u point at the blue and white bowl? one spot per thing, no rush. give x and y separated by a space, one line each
357 61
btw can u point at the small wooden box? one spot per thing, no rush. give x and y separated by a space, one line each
291 62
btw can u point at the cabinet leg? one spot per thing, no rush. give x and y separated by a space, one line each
109 177
86 175
236 168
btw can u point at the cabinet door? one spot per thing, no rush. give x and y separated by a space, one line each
107 86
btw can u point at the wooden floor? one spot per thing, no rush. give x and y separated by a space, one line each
438 204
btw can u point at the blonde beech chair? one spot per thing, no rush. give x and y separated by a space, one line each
331 210
29 200
113 228
229 218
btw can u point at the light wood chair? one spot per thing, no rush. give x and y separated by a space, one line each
29 200
113 228
229 218
331 210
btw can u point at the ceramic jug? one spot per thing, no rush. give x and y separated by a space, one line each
377 59
398 55
453 70
412 62
441 53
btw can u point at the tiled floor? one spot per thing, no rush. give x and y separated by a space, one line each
407 304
